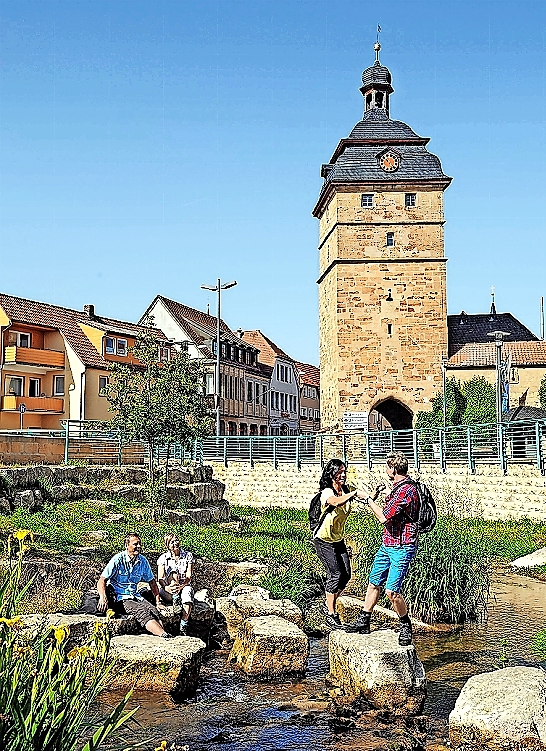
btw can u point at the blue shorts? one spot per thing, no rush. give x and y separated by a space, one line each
390 566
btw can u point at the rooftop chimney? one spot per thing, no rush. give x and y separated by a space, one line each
90 310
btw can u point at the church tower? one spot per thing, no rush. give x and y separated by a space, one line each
382 283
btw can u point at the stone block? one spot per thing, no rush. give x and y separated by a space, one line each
81 625
5 506
98 535
504 710
157 664
130 492
237 609
270 647
389 676
31 500
69 492
536 558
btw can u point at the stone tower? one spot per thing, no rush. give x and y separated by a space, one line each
382 283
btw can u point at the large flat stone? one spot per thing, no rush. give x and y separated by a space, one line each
270 647
389 676
81 625
504 710
153 663
536 558
237 609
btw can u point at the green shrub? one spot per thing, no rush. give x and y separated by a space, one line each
449 579
539 644
47 692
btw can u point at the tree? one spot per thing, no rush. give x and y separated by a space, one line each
472 402
158 402
542 393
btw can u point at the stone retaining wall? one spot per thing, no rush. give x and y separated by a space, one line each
488 493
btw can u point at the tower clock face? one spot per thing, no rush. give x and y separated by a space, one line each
389 161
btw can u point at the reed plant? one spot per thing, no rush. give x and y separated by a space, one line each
48 691
449 579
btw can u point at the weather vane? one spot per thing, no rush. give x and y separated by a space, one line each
377 45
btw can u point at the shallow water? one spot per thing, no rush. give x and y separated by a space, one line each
231 713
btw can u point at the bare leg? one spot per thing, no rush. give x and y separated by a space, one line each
372 596
186 610
155 628
398 603
331 601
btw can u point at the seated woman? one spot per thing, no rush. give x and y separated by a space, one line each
174 570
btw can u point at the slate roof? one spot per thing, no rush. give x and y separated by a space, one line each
308 374
377 126
524 413
465 329
268 350
67 321
376 73
483 355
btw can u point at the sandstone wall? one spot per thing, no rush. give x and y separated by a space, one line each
488 493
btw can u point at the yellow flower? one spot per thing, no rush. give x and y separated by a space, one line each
20 651
61 632
162 747
22 533
109 614
77 651
12 622
98 627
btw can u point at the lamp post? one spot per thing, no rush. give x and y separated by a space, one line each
498 337
218 288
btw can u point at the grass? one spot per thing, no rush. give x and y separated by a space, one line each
459 551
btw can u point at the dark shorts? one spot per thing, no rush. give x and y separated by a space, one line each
142 610
335 559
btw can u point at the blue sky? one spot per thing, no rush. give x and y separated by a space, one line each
150 146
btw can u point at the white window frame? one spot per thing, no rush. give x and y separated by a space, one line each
31 380
7 384
366 200
56 391
109 350
410 200
303 413
389 242
121 349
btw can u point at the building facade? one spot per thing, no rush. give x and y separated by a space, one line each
309 380
54 362
382 283
284 384
244 384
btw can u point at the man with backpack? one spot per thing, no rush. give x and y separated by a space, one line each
400 517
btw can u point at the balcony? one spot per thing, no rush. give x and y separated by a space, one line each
33 403
44 358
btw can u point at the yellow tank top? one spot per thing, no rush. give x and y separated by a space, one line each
331 529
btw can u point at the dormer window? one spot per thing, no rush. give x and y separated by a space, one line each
122 347
109 345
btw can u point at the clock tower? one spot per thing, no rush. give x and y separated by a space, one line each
382 283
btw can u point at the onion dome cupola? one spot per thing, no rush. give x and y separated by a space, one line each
376 85
378 150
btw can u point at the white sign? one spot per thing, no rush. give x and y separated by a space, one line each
355 421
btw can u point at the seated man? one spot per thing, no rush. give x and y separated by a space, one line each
124 571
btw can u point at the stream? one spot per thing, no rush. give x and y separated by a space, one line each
231 713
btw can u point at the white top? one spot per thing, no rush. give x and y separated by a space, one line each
175 565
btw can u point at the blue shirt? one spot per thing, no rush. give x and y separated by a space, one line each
124 575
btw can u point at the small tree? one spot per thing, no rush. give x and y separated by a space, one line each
469 403
455 406
542 393
480 402
157 402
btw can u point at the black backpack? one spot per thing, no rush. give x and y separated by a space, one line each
427 508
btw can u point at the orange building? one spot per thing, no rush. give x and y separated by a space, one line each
54 362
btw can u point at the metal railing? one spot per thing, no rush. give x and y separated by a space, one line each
498 444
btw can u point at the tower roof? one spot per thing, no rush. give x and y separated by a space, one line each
376 73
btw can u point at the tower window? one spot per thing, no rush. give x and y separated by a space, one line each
368 101
410 200
378 99
390 239
366 200
389 329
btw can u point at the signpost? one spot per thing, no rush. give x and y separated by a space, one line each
22 410
355 421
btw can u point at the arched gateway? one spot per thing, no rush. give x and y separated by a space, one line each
390 415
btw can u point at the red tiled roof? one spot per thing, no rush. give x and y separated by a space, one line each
308 374
269 351
67 321
477 355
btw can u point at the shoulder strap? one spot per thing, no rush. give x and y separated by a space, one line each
325 513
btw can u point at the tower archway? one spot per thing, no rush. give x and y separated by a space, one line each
390 414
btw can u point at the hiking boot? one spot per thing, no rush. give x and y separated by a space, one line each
360 626
405 635
332 620
183 630
324 609
165 635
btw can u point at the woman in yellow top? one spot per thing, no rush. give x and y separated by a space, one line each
335 507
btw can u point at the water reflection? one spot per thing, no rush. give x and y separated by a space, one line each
232 714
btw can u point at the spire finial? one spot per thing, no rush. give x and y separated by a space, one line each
377 45
493 310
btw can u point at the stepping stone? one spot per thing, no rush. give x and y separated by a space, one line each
502 709
537 558
270 647
375 666
236 609
157 664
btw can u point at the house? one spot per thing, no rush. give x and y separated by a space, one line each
244 383
284 384
54 362
473 353
309 380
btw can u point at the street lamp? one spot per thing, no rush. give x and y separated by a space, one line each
218 288
499 337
